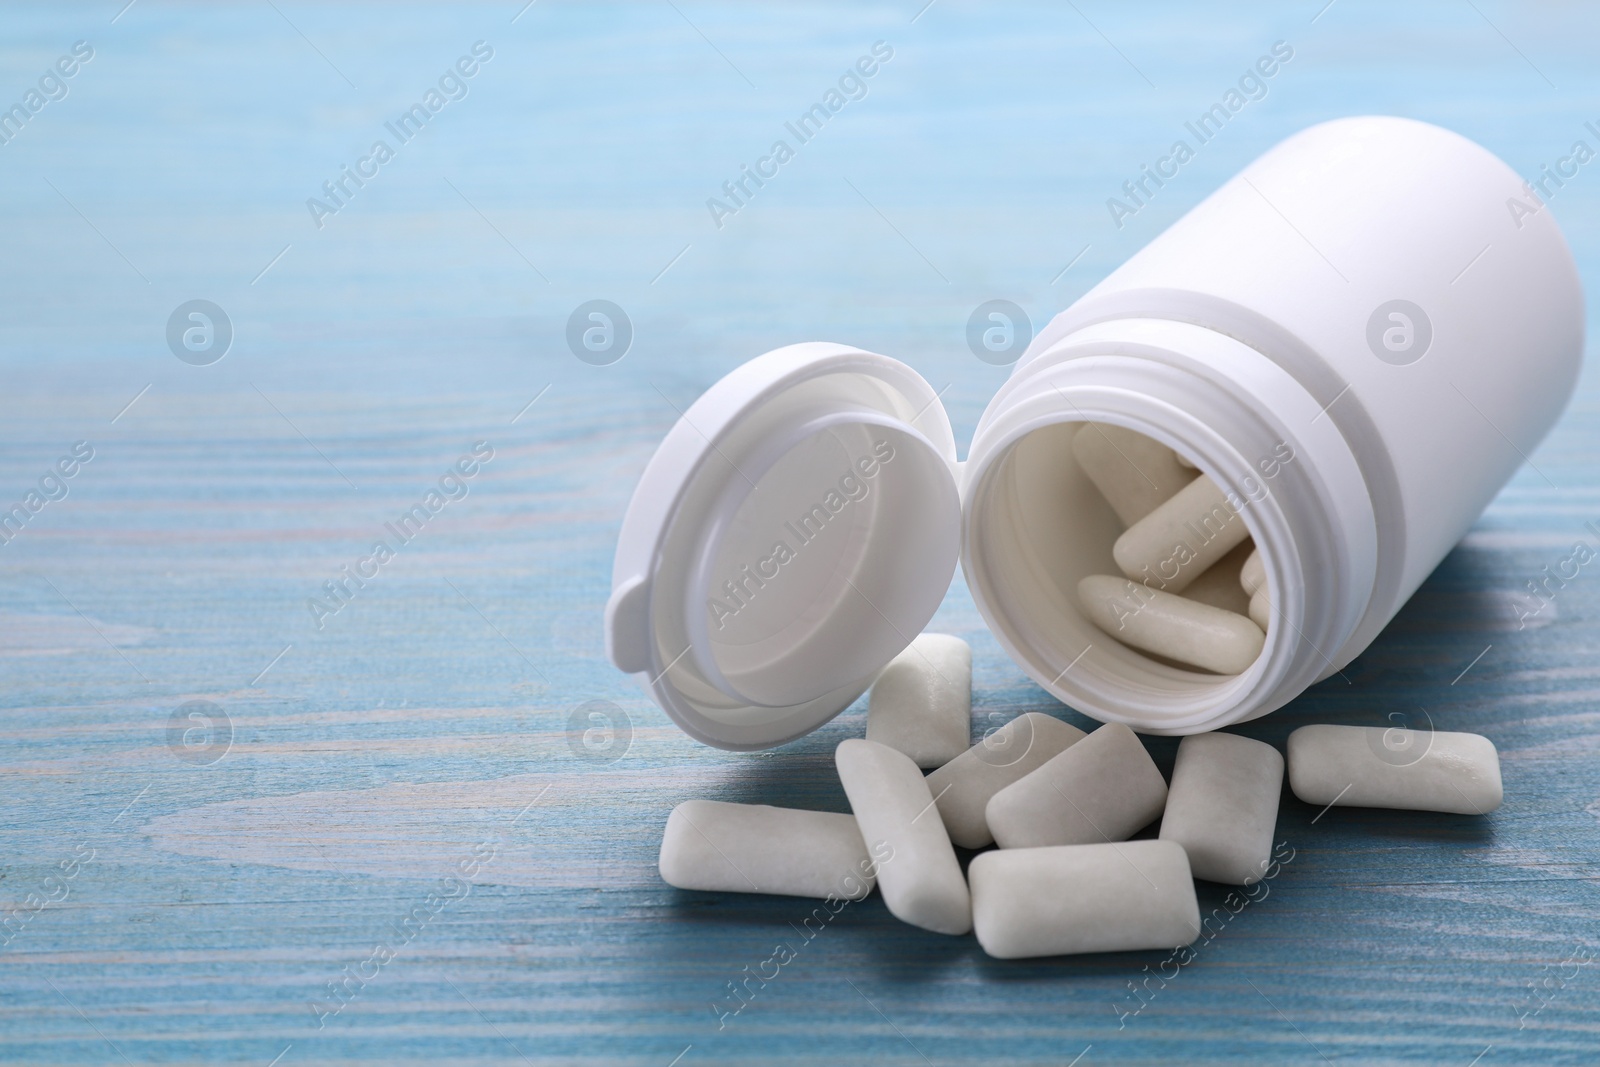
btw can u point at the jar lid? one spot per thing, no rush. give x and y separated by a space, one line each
795 530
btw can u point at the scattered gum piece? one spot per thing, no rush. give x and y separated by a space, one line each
962 787
1222 806
1083 898
922 702
918 872
1104 788
1389 767
756 848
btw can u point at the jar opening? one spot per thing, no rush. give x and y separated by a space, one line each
1040 526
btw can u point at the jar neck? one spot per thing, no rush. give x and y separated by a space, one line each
1244 421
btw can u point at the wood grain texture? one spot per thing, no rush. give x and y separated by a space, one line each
403 805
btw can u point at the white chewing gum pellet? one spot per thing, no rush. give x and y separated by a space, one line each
1260 609
755 848
1219 584
962 787
1222 806
1083 898
1133 472
1175 543
1171 626
1104 788
922 702
1387 767
1253 575
917 868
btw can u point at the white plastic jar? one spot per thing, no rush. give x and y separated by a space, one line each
1361 337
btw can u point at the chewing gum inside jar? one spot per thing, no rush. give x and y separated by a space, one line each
1168 586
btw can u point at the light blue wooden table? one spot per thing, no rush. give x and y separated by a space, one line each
377 839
